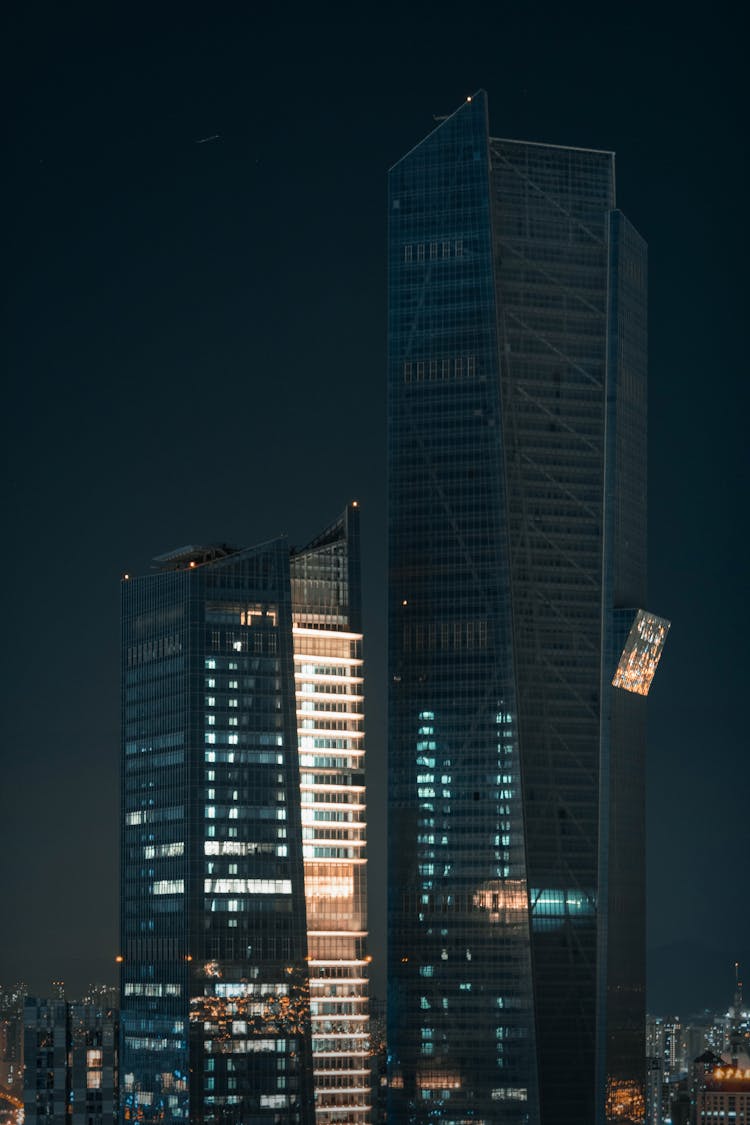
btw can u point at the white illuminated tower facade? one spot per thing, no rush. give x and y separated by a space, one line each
329 691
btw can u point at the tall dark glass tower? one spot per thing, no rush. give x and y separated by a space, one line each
517 446
215 1006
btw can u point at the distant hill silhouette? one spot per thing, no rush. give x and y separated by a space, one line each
686 977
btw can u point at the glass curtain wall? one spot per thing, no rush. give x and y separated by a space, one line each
517 391
460 1018
215 1001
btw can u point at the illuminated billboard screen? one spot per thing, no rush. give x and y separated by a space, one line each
641 654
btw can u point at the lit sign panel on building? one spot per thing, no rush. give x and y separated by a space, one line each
641 654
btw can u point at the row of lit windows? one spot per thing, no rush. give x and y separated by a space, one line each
164 851
236 847
168 887
248 886
214 812
326 762
212 738
153 989
335 706
151 816
244 757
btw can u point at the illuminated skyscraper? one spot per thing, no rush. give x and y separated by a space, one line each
517 452
330 702
231 1011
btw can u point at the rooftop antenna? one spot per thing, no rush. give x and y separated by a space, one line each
736 1038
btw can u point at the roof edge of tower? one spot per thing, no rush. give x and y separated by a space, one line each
547 144
479 94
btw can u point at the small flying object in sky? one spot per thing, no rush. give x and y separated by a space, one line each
205 140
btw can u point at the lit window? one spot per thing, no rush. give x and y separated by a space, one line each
168 887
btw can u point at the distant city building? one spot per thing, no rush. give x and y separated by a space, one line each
57 989
46 1086
101 996
724 1097
70 1069
699 1069
654 1070
694 1038
675 1063
721 1085
519 650
231 1011
11 1044
93 1064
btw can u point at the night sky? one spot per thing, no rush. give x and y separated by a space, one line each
194 336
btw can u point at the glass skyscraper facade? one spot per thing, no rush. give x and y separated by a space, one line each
215 987
517 430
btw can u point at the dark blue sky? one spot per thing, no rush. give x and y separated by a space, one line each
195 338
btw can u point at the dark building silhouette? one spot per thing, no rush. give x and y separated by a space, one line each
70 1063
517 556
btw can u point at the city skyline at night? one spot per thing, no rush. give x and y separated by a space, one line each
195 351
